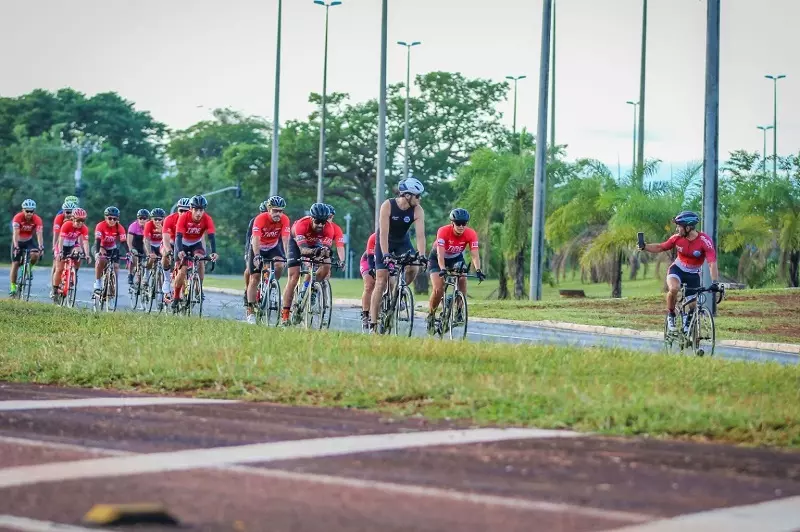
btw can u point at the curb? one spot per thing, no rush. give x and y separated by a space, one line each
578 327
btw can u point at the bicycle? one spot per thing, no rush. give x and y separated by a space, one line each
448 321
154 294
68 287
700 333
192 300
135 290
311 290
268 298
397 303
107 298
24 279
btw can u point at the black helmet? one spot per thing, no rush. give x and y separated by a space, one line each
687 218
319 212
330 208
111 211
198 202
276 201
158 213
263 207
459 215
143 213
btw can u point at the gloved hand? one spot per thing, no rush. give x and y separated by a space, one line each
442 273
480 275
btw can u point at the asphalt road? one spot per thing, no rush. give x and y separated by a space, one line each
347 318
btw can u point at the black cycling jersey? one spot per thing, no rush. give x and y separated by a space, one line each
400 221
248 234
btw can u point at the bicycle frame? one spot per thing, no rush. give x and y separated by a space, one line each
69 279
262 295
689 336
301 304
389 313
446 321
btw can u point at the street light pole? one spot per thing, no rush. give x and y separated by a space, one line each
515 79
408 96
641 86
711 141
273 177
540 176
347 218
764 153
634 104
553 90
775 121
321 169
380 178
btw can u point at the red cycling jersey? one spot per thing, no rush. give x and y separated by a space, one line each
108 235
338 235
691 253
170 223
454 245
370 245
58 221
304 233
153 233
193 231
26 228
270 232
71 235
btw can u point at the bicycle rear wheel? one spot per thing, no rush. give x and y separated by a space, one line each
404 313
273 306
703 333
458 316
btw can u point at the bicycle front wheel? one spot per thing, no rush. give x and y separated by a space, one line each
404 313
703 333
27 278
195 303
111 293
72 291
458 316
313 310
135 289
273 310
327 304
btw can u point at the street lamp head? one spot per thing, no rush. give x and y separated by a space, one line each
320 2
336 3
402 43
416 43
632 103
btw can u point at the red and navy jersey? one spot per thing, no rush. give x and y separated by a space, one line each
304 233
108 235
192 230
453 244
691 253
26 227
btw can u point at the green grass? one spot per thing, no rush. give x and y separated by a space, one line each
604 390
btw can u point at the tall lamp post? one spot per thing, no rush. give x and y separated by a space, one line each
273 173
775 120
634 104
642 85
380 178
764 129
515 79
321 168
408 96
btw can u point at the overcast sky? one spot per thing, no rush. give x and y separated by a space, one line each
171 56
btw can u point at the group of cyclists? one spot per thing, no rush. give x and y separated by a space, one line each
272 238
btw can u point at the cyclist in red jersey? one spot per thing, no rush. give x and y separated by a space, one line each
167 242
25 224
338 238
65 214
72 235
153 235
270 239
447 252
311 235
109 236
694 248
368 275
192 227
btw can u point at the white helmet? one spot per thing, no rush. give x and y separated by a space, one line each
29 205
412 185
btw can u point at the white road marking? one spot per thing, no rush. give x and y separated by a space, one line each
24 524
447 494
100 402
260 452
782 515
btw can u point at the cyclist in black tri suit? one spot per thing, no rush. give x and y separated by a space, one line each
396 217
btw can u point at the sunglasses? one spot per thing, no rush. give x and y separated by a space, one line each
111 218
143 219
79 220
158 219
418 196
67 213
323 222
29 212
460 224
276 211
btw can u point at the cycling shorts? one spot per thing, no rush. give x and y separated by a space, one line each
367 264
274 253
29 245
433 262
397 247
691 280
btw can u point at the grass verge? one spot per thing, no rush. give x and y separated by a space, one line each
603 390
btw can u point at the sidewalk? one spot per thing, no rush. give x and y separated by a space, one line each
576 327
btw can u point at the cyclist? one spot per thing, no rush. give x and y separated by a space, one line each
72 234
338 236
70 203
271 231
109 235
167 243
694 248
368 275
24 225
447 252
136 240
311 236
248 250
153 235
392 239
191 228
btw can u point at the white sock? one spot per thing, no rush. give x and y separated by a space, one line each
167 277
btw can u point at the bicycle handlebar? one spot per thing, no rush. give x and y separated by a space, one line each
719 289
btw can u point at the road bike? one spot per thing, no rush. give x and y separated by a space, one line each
24 278
695 327
312 303
68 287
396 314
452 316
137 288
153 295
268 298
191 302
106 298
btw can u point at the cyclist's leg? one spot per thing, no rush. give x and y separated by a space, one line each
59 262
278 253
367 269
34 256
99 266
293 264
437 283
16 258
255 279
